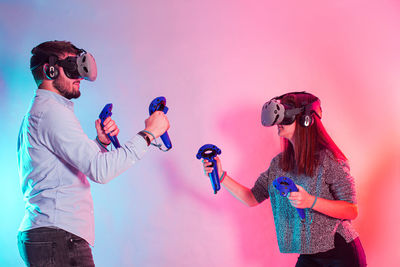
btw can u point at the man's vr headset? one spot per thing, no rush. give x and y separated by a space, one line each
82 66
276 113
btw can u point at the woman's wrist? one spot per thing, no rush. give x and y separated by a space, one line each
315 201
222 177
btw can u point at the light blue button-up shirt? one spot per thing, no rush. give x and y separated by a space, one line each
55 157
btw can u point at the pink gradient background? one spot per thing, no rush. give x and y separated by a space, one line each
217 62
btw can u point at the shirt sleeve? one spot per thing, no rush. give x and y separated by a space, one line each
340 181
64 136
260 188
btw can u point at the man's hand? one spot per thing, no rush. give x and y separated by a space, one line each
157 124
109 128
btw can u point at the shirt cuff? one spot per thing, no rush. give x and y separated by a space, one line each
137 145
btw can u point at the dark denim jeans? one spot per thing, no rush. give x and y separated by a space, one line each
343 255
53 247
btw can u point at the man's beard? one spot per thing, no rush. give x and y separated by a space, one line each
62 87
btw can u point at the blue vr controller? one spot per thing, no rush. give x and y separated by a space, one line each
159 104
285 185
104 114
209 152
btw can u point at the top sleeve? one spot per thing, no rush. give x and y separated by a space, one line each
64 136
260 188
340 181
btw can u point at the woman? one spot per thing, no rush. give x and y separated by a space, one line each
310 158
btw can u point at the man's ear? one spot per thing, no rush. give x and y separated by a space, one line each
45 70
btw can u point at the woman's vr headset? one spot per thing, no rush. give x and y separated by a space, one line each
276 113
82 66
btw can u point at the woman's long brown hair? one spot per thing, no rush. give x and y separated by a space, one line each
304 157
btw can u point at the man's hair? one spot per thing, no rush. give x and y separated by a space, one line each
42 52
304 157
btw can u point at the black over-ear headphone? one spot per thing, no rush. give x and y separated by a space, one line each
52 71
313 108
307 110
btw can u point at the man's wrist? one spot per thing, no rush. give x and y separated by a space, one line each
149 133
101 143
146 137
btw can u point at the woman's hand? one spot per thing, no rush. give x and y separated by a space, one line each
301 199
208 168
334 208
109 128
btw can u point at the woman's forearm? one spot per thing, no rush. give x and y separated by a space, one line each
239 191
336 208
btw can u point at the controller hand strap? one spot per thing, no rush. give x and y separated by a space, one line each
159 146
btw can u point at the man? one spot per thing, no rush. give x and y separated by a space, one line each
55 157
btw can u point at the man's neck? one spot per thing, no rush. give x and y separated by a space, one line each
48 86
